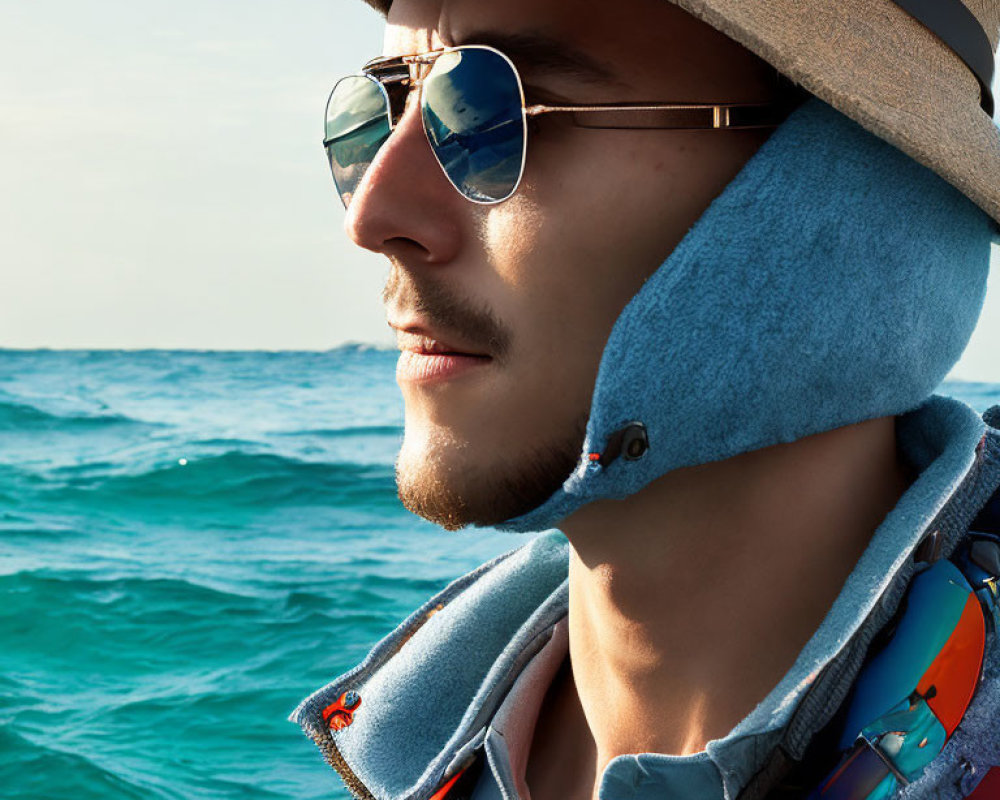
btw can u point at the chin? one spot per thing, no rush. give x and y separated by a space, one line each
453 483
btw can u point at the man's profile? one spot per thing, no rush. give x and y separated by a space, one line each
679 280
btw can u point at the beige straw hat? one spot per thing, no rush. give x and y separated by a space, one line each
917 73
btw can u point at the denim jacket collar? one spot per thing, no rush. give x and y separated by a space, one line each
430 688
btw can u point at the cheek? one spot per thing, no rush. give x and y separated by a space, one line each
593 219
510 233
635 200
535 256
588 225
605 218
616 203
566 275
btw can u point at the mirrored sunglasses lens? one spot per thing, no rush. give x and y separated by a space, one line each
471 107
357 125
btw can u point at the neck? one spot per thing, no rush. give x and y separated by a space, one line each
691 599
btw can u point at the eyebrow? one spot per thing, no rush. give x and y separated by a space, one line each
538 53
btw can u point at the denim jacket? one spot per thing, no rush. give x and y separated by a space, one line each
430 696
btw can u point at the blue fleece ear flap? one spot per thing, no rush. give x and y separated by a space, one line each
834 280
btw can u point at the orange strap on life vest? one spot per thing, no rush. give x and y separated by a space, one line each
442 793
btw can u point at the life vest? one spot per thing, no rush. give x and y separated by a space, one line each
918 679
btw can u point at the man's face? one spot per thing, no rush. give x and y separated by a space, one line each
529 288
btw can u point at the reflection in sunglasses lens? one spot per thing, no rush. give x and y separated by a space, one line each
357 125
473 116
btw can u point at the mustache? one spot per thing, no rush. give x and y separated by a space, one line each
477 326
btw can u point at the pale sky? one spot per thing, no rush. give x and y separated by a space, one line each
165 183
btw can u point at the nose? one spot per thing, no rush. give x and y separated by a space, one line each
404 205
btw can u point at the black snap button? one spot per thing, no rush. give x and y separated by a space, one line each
635 442
630 442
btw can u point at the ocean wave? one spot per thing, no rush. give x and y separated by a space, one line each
48 771
25 417
347 433
238 479
116 590
226 442
364 347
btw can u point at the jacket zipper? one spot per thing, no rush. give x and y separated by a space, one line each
324 740
332 756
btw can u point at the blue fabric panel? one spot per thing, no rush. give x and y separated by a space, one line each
420 683
834 280
635 777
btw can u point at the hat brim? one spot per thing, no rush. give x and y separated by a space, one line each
878 65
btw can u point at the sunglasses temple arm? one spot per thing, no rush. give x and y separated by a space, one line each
669 116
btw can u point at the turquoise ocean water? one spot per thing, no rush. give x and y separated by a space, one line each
189 544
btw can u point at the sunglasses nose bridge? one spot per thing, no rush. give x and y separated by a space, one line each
402 92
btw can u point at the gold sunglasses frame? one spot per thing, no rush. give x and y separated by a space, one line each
398 76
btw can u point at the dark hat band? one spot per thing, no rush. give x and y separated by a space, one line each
958 28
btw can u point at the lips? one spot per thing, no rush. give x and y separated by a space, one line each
418 338
427 346
426 357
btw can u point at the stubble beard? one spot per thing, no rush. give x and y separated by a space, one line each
447 482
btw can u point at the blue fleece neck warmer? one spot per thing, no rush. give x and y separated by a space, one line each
834 280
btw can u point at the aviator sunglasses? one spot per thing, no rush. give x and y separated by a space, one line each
474 115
